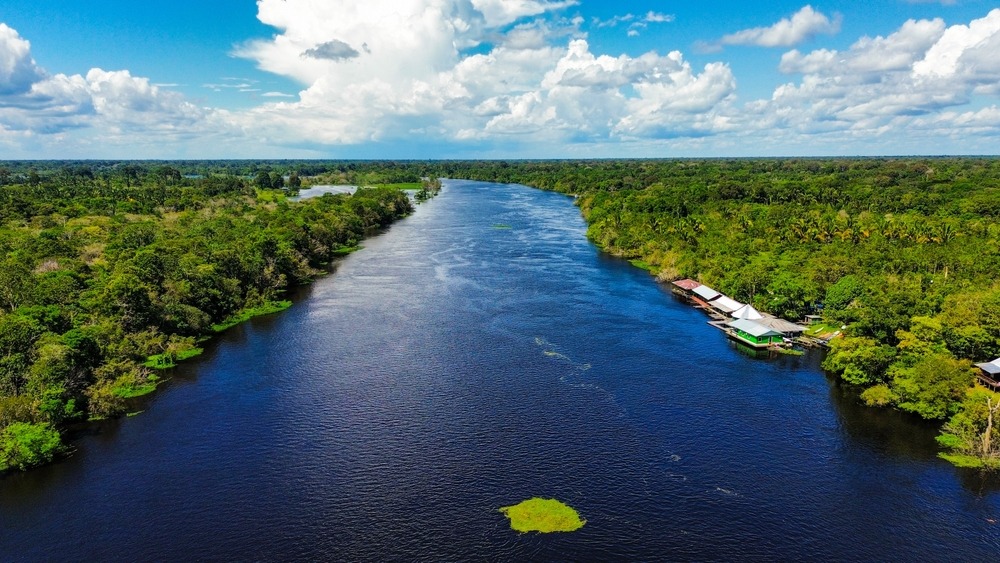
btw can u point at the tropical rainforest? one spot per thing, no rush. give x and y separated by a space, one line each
113 269
110 271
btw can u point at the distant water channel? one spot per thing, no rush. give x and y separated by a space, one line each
318 191
479 353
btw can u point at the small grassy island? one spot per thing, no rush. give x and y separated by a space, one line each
543 515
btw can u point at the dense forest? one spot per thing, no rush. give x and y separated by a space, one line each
113 270
903 252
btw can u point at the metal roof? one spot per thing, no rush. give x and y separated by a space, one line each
706 292
726 304
992 368
753 328
689 285
781 325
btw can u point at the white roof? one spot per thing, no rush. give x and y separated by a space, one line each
992 368
706 292
781 325
726 304
752 328
747 312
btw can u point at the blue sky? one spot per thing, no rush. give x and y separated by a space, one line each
496 78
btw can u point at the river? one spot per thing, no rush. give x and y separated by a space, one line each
479 353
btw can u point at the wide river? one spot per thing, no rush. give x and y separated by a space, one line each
479 353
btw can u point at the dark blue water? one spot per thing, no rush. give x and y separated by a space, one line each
454 367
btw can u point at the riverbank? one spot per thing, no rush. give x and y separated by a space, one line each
121 297
889 248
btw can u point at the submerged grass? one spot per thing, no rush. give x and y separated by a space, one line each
644 265
543 515
130 390
345 250
968 461
166 361
249 313
402 186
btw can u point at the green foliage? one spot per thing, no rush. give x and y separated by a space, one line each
170 358
859 360
966 461
879 396
934 386
268 308
840 296
543 515
24 445
972 435
17 408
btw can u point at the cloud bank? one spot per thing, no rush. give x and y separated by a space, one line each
520 77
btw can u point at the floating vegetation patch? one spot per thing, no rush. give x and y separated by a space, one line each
502 227
345 250
543 515
790 352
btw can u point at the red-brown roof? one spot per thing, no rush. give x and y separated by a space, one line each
688 285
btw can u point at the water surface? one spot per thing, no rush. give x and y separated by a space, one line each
457 365
317 191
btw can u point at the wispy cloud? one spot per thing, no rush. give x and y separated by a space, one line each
655 17
232 85
635 22
611 22
802 26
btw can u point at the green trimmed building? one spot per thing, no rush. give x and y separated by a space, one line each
754 334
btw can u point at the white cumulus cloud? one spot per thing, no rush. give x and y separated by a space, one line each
906 82
537 78
802 26
114 106
18 70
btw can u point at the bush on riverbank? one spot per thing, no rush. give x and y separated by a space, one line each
24 445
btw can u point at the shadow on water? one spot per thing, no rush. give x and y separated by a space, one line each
899 435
